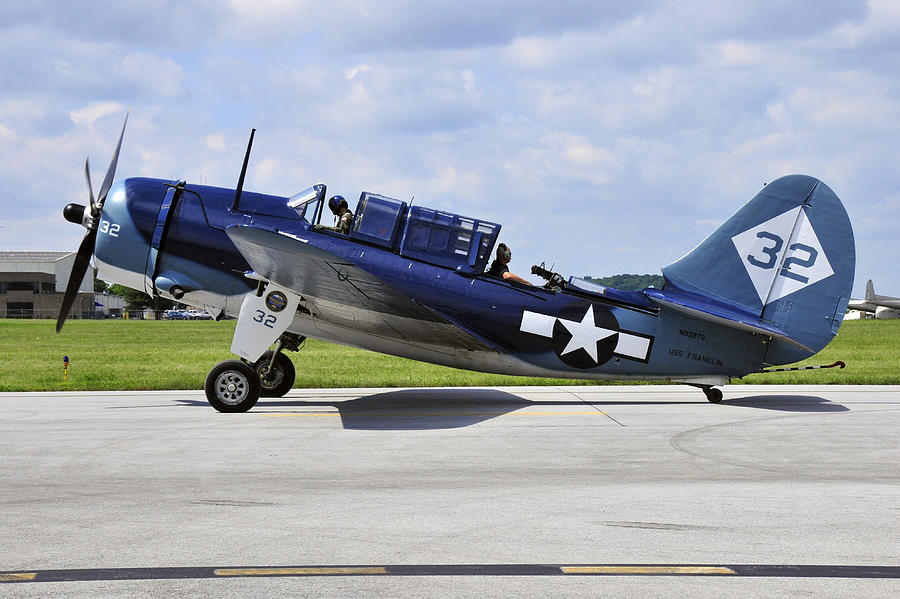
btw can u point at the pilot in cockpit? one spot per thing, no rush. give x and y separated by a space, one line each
338 206
499 269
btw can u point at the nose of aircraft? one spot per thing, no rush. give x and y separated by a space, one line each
74 213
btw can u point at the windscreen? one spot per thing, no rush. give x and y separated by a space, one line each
307 203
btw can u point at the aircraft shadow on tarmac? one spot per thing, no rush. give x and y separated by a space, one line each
432 409
413 409
424 409
787 403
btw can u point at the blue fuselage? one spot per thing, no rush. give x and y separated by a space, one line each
175 243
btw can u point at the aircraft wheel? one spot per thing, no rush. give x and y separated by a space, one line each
232 386
279 380
713 395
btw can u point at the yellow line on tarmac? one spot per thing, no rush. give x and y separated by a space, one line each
421 414
646 570
297 571
17 577
301 415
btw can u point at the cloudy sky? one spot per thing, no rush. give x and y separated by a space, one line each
606 137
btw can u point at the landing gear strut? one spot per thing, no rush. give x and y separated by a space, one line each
236 385
276 371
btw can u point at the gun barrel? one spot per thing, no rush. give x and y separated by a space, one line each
541 272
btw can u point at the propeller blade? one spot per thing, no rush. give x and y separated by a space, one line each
111 172
82 260
86 249
87 175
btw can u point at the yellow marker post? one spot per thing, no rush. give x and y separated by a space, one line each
66 368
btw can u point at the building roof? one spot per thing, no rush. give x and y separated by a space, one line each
31 256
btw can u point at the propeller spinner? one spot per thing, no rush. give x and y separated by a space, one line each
89 217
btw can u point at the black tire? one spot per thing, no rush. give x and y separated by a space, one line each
280 380
713 395
232 386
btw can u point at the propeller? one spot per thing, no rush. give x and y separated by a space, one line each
89 218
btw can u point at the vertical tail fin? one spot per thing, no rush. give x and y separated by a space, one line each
787 258
870 291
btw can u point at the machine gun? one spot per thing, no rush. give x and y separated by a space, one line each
554 280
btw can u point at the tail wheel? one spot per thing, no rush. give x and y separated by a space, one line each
277 380
713 395
232 386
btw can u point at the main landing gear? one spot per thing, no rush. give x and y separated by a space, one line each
236 385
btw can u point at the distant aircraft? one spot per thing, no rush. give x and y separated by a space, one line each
874 301
768 287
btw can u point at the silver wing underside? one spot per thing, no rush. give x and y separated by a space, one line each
338 292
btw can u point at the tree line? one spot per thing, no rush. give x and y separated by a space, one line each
628 282
134 300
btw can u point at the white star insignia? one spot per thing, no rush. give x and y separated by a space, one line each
585 334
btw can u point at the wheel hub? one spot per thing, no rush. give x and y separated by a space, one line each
270 378
232 387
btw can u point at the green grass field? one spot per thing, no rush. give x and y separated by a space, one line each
123 355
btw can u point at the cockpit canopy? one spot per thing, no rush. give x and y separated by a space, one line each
433 236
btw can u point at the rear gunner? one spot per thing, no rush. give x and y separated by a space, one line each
499 266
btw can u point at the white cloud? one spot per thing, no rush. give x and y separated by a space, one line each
274 14
88 115
881 23
161 76
449 179
7 135
19 110
469 81
352 73
215 142
575 156
845 107
737 53
533 52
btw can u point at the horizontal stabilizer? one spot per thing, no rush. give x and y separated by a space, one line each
704 309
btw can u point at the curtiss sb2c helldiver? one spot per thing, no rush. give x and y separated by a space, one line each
768 287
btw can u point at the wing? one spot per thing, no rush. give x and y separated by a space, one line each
338 291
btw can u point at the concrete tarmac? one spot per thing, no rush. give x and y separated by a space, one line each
516 491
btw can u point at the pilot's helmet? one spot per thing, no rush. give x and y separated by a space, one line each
335 203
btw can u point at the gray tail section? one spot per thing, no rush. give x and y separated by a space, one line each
787 258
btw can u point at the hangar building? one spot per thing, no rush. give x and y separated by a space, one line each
32 285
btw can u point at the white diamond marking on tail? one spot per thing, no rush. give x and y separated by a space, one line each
782 255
